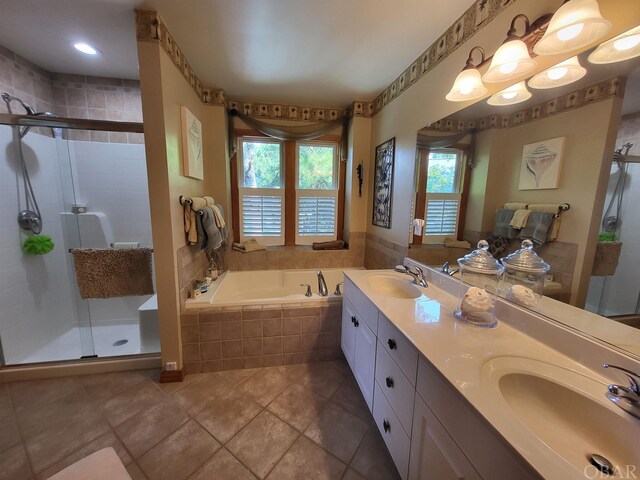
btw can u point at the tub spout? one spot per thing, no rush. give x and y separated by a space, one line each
322 285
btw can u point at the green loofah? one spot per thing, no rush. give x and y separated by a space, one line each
38 245
606 237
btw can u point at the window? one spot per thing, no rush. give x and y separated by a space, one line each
299 206
443 195
316 192
261 192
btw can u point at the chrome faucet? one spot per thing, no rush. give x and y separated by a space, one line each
417 274
322 285
337 290
447 270
627 398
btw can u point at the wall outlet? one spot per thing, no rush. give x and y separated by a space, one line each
171 366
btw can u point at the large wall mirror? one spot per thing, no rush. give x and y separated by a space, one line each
552 160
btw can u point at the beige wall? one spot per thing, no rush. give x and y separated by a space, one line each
424 102
355 212
164 91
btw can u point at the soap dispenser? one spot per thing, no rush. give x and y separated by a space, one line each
523 279
482 272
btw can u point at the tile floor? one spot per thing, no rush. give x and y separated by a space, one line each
287 422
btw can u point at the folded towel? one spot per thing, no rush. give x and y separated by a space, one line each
519 219
248 246
113 273
537 227
209 201
198 203
502 228
555 229
515 206
217 213
544 207
453 243
332 245
202 234
190 224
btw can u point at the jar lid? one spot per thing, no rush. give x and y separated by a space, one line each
526 260
481 261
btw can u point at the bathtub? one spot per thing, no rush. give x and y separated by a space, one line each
261 287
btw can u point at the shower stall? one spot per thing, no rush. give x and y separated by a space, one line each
69 184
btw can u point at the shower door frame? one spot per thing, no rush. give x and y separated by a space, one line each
70 123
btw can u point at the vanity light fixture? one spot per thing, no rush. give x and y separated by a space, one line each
560 74
576 24
512 59
510 96
617 49
468 84
85 48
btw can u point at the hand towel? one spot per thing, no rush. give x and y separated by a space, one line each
519 219
202 234
190 224
332 245
502 228
537 227
214 235
217 212
515 206
198 203
210 201
248 246
555 229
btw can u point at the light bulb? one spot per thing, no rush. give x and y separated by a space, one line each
570 32
557 73
508 67
85 48
626 43
509 95
466 87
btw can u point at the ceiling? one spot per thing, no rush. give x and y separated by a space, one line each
317 52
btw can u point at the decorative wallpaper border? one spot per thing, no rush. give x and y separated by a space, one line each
279 111
151 28
475 18
613 87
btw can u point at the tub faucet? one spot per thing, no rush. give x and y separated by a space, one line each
627 398
417 274
322 285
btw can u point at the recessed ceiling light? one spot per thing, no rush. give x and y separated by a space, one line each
86 48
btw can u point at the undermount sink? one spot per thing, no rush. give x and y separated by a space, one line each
565 410
393 285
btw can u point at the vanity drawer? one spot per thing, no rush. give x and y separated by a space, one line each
362 304
398 347
396 387
392 432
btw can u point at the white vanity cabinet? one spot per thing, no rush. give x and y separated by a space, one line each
358 338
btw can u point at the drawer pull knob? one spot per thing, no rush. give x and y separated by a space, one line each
386 425
392 344
389 382
356 323
353 320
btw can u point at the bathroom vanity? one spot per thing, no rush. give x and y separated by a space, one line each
523 400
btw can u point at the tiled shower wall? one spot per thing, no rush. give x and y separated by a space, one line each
254 336
79 96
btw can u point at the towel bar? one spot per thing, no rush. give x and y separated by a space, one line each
183 200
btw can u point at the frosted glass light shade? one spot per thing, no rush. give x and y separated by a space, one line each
622 47
509 96
511 60
561 74
468 86
576 24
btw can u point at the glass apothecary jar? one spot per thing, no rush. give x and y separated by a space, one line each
523 279
482 272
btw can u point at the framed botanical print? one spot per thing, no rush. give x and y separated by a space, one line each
383 183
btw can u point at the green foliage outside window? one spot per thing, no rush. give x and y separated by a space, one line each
261 164
315 167
441 176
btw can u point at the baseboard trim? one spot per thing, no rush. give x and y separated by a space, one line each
171 376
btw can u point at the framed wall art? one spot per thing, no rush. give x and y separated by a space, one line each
541 162
191 145
383 183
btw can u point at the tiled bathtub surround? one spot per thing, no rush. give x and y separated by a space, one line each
278 258
192 263
381 253
78 96
247 337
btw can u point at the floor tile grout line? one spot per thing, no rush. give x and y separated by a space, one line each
23 443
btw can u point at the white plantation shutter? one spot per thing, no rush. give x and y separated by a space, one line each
262 215
441 216
316 215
